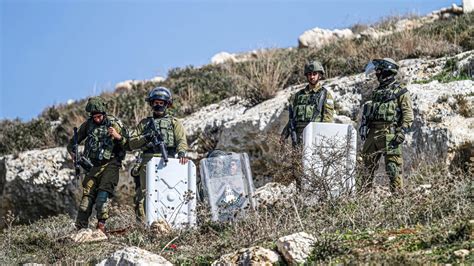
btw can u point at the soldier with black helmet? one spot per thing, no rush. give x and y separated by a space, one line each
314 103
386 120
105 139
172 132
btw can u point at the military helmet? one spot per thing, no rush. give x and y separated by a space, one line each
217 153
96 105
388 66
313 66
160 93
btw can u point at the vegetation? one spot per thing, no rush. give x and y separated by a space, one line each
255 80
424 224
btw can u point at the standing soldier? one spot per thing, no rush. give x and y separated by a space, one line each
160 124
105 137
385 121
314 103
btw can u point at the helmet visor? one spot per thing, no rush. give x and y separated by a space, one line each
370 68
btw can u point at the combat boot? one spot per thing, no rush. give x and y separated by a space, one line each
101 225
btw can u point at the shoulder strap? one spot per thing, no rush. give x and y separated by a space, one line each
320 104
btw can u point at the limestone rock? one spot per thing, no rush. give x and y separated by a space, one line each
87 235
160 228
223 57
272 193
461 253
467 6
134 256
249 256
318 37
296 248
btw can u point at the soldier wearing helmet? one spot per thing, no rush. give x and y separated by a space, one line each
105 139
314 103
172 132
386 120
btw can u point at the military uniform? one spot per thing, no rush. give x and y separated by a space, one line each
106 154
389 116
174 136
309 105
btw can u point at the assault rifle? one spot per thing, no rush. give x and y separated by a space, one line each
157 143
292 127
364 125
79 160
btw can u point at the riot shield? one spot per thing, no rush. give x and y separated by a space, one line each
329 155
171 192
228 185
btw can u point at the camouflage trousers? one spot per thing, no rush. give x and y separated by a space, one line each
98 187
140 190
378 144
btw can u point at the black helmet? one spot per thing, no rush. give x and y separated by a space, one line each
160 93
96 105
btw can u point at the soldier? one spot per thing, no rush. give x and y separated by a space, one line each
314 103
105 137
172 132
385 121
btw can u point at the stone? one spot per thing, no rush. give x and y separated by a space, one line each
160 228
87 235
272 193
467 6
296 248
134 256
223 57
461 253
318 37
249 256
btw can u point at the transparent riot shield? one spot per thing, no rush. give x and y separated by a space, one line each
228 185
329 157
171 192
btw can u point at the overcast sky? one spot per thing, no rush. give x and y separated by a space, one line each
52 51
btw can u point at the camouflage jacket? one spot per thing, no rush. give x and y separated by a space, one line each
305 102
169 127
99 145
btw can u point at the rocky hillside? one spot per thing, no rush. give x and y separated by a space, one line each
432 221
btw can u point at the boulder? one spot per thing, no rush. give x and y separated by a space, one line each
467 6
249 256
318 37
296 248
223 57
272 193
134 256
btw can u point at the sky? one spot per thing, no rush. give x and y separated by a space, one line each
52 51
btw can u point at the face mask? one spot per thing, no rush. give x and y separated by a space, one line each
159 108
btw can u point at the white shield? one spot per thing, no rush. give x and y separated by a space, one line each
228 185
171 192
330 154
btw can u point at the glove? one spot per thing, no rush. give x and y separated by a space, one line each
181 154
399 137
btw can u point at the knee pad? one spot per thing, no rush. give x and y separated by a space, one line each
101 203
392 169
86 204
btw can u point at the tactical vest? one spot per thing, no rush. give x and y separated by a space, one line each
308 107
384 106
99 145
165 127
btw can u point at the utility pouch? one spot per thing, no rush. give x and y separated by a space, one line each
390 148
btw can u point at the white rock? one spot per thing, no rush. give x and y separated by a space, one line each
223 57
272 193
249 256
134 256
461 253
318 37
296 248
87 235
467 6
